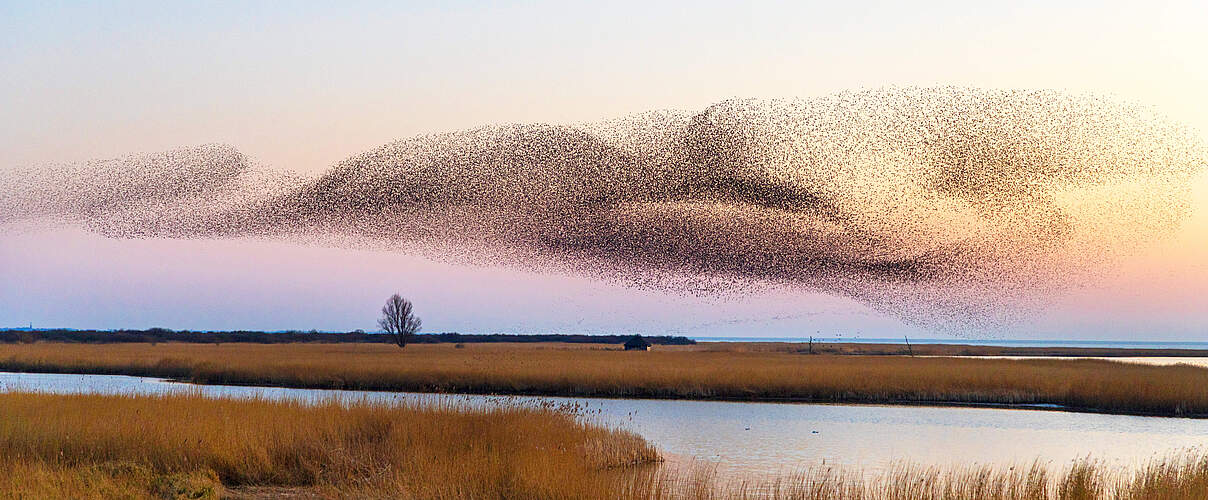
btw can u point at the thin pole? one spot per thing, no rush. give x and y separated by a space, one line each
908 348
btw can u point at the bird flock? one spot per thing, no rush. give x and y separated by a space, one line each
948 207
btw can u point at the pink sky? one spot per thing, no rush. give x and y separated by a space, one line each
71 278
302 87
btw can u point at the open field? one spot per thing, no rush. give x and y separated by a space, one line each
675 372
184 446
820 346
25 335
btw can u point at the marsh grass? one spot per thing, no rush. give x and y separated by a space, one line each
189 446
1179 477
555 369
117 444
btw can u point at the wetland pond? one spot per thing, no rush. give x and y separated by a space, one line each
774 438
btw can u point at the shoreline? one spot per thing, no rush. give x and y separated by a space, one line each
718 399
753 373
150 442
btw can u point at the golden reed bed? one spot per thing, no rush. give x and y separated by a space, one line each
696 373
187 446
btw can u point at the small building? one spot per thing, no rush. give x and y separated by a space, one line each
637 343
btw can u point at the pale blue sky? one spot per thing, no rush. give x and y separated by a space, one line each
301 85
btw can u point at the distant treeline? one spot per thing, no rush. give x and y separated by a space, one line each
166 335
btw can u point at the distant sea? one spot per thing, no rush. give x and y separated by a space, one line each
1119 344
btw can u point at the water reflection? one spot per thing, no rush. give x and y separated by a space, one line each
768 438
1201 362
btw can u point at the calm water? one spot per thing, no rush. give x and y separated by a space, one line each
765 438
1156 361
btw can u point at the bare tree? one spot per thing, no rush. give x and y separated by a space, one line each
397 319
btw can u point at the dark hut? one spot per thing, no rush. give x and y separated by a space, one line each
637 343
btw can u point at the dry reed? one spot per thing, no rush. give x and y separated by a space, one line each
188 446
334 448
1093 385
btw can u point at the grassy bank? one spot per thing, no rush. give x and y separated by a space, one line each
551 369
54 446
189 446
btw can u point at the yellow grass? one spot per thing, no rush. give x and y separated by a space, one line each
184 446
554 369
1180 477
110 445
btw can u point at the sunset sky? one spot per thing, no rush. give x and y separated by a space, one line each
299 86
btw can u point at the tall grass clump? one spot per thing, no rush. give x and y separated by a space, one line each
1176 477
160 444
1179 477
